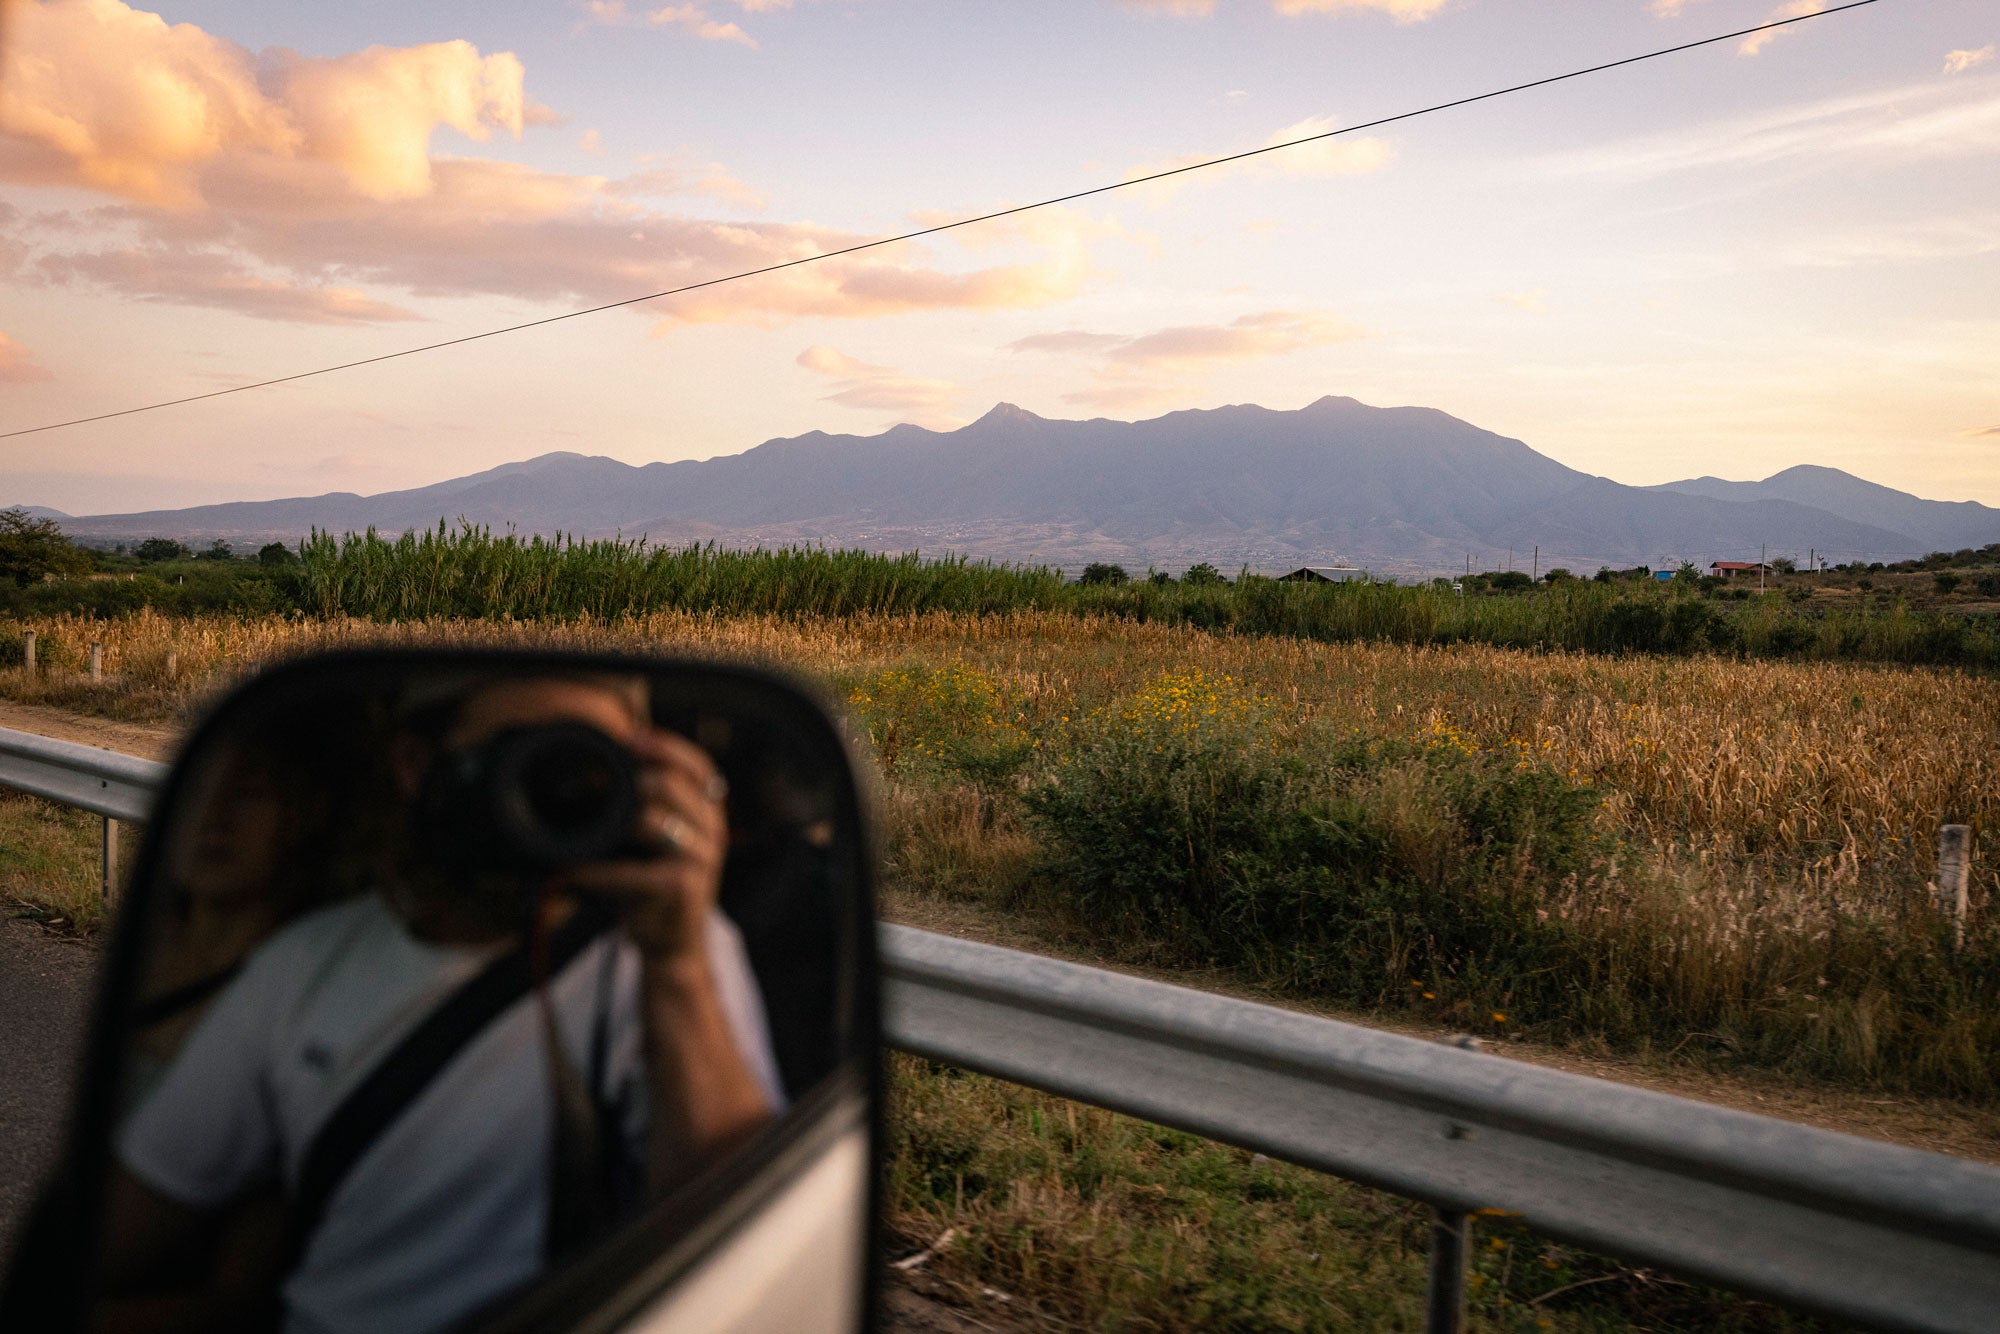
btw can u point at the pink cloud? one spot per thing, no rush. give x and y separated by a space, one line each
281 186
190 277
693 18
101 95
879 388
1141 370
1757 41
18 365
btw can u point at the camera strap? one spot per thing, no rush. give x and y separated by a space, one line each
394 1085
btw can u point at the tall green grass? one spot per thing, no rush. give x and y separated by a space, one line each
472 573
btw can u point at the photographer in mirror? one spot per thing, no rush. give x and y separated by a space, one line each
405 1103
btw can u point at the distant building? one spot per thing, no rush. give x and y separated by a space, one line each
1322 574
1729 569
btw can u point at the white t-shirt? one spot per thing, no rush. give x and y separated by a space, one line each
447 1209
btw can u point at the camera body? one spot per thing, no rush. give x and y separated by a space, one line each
532 798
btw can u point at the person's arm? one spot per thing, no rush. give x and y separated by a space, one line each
703 1096
169 1267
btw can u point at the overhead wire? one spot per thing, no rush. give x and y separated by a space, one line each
945 226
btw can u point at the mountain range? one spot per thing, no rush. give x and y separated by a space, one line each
1404 490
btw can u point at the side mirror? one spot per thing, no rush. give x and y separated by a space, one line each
505 991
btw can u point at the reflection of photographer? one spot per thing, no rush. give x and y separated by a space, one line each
541 1016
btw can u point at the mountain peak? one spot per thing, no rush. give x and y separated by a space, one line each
1008 412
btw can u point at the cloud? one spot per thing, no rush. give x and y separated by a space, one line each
828 361
1958 62
694 19
1973 432
1535 301
282 187
1403 11
18 365
591 142
879 388
1249 338
192 277
1140 370
1068 341
100 95
1891 126
1797 9
1341 156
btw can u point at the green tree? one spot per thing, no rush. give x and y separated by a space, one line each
275 555
1784 565
1202 573
1097 572
161 548
217 550
1559 574
33 549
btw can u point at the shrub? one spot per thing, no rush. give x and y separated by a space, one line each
1202 575
1945 581
155 549
1179 820
1099 573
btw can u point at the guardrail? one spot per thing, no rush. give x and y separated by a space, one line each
1847 1227
104 782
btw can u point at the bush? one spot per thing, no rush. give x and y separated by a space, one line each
1202 575
1340 868
1988 585
1099 573
1945 581
155 549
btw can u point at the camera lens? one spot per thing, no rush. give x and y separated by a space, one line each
545 796
567 793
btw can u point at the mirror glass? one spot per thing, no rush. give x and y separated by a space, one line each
449 969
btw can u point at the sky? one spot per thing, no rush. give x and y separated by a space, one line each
1777 250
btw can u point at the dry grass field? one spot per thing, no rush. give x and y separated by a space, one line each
1709 860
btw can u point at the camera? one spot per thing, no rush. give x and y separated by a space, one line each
533 798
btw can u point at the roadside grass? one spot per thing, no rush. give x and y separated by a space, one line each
49 863
1082 1218
1722 859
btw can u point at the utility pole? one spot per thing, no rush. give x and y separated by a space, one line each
1510 560
1812 562
1762 549
1537 575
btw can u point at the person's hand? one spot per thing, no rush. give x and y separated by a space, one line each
669 894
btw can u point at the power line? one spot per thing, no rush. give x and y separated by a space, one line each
942 227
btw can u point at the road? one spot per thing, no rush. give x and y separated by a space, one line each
45 983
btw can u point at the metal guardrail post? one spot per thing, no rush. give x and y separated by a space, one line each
1444 1297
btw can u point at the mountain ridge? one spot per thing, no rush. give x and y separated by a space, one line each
1403 490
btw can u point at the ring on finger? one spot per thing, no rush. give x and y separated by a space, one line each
670 833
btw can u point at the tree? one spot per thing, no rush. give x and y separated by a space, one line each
1202 573
1159 578
1784 565
1558 575
1097 572
1945 581
217 550
161 548
33 549
1508 581
275 555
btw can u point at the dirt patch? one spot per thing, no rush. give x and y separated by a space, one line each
152 741
1938 1125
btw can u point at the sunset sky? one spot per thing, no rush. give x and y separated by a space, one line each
1771 252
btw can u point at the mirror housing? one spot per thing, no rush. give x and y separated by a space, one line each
304 1049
